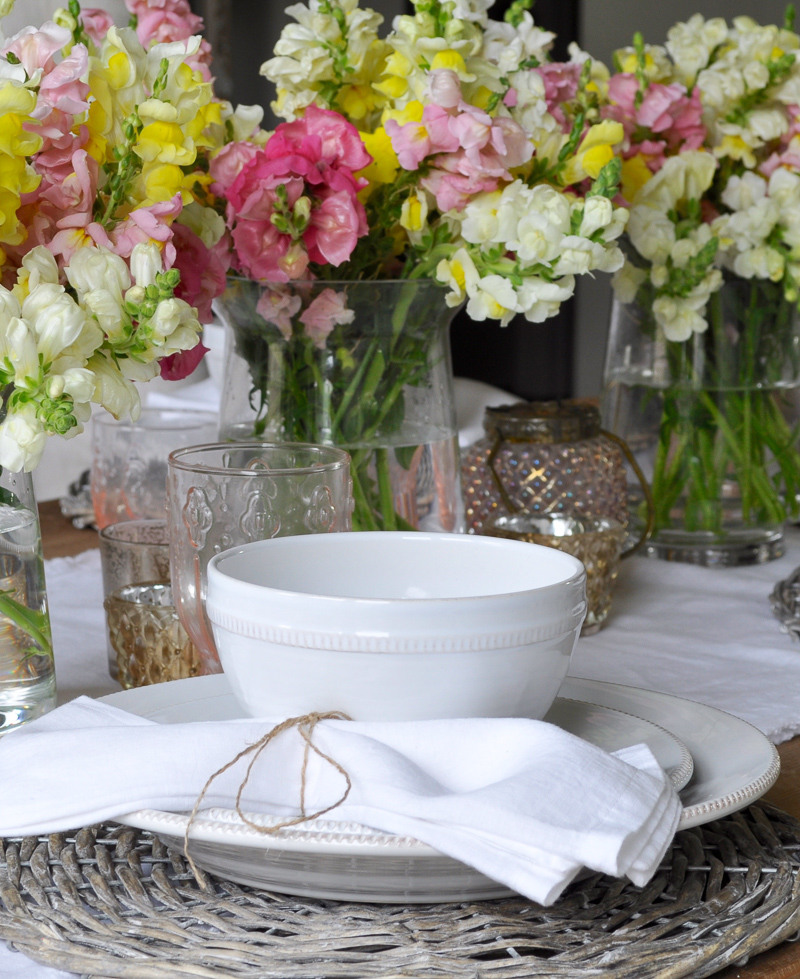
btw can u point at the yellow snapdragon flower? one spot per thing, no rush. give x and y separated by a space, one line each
635 174
17 177
594 152
165 142
384 166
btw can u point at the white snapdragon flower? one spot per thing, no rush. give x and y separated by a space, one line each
105 307
627 281
146 263
459 273
598 212
680 317
539 300
576 256
766 123
657 65
38 266
784 187
748 228
790 226
173 327
22 439
756 75
744 191
531 110
475 11
493 297
64 335
690 44
414 215
9 305
112 391
651 231
659 275
761 262
682 178
537 239
18 350
507 46
721 85
480 223
92 268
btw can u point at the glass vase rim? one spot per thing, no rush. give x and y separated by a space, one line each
338 459
201 416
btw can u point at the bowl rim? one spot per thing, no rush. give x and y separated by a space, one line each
247 587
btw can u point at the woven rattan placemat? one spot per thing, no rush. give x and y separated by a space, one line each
110 901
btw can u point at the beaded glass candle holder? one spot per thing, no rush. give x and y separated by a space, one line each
546 472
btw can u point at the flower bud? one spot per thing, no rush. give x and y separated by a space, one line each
146 263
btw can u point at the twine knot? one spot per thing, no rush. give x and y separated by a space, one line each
305 725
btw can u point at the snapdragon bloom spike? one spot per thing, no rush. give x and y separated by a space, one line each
311 159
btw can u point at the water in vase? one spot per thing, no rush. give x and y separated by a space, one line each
27 675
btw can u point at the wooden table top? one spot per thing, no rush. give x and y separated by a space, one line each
61 539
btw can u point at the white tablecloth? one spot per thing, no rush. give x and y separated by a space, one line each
707 635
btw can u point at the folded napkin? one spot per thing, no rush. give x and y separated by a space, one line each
521 801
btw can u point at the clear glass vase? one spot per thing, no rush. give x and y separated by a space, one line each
362 365
704 420
27 674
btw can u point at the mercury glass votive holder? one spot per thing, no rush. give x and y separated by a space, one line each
598 543
150 643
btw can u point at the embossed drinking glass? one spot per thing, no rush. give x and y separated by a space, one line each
129 460
229 493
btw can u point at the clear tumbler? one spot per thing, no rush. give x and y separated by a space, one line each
231 493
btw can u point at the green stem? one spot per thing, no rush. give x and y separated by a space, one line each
32 623
385 489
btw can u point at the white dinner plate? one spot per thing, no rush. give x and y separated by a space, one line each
346 861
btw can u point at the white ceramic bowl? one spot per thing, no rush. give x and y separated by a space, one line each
395 626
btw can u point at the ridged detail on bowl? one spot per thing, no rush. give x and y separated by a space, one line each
338 643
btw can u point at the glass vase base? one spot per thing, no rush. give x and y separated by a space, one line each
712 551
24 709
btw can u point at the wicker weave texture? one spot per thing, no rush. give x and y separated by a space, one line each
110 901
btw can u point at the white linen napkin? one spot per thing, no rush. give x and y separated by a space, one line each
521 801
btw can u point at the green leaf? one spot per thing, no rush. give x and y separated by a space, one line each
405 455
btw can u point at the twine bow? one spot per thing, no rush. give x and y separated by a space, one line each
305 725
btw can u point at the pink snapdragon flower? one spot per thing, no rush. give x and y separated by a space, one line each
415 141
227 164
786 155
202 271
63 87
328 310
183 363
672 117
467 151
165 21
279 308
561 82
36 49
153 223
314 157
96 23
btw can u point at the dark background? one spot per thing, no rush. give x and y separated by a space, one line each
531 360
